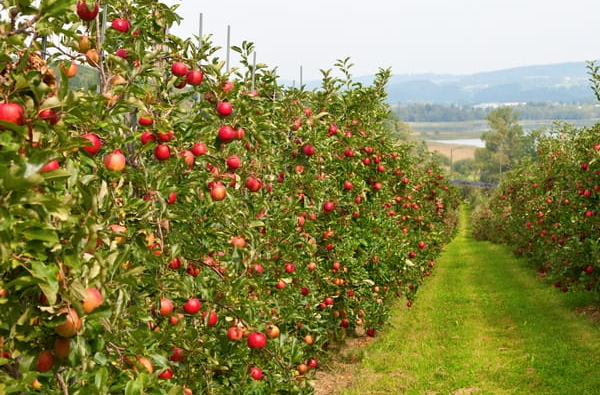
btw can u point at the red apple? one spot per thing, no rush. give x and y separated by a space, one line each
120 25
233 162
85 13
224 108
256 373
172 198
199 149
177 355
146 121
257 340
123 53
62 347
147 137
194 77
226 134
162 152
253 184
72 324
308 150
45 361
115 161
218 191
166 374
93 299
328 207
11 112
96 143
235 333
49 115
52 165
227 86
210 319
192 306
166 307
179 69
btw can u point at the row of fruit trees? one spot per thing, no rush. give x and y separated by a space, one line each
548 210
171 230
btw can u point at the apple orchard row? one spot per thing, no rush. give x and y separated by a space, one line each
172 230
548 210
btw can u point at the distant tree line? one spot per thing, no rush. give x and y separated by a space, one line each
430 112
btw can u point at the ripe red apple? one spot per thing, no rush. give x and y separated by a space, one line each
165 137
166 307
188 158
175 264
72 324
194 77
210 319
62 347
123 53
45 361
305 291
166 374
328 207
162 152
348 185
233 162
11 112
227 86
85 13
290 267
172 198
93 299
257 340
147 137
179 69
177 355
218 191
226 134
120 25
308 150
52 165
49 115
115 161
199 149
224 108
256 373
96 143
235 333
192 306
253 184
146 121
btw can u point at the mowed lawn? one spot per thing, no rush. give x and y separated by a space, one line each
482 324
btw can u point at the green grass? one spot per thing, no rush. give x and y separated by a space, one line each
484 324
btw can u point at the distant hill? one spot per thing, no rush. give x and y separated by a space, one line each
561 82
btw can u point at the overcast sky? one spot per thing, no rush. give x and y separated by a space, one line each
410 36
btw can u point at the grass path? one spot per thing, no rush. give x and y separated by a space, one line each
482 324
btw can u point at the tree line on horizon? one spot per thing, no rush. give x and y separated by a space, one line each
433 112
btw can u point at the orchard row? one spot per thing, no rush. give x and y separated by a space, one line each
549 210
173 230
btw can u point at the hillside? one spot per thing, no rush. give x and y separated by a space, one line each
563 82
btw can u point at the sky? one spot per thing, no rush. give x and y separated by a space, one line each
409 36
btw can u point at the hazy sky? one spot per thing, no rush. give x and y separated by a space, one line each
410 36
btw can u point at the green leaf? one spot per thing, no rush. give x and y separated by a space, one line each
135 387
47 235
